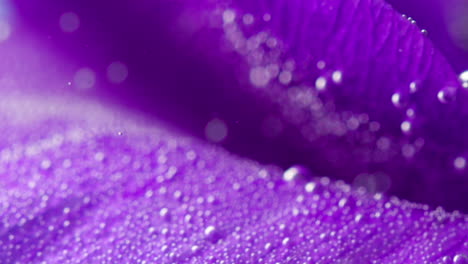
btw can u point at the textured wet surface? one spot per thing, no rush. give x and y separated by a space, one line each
100 190
348 89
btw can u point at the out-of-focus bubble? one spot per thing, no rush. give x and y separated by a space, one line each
259 76
459 163
117 72
84 79
216 130
229 16
69 22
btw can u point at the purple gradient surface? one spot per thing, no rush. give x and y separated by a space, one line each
102 103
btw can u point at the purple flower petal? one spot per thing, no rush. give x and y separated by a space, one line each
92 186
351 89
353 82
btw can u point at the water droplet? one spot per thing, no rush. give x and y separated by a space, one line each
399 99
358 217
310 186
259 76
209 230
337 77
342 202
164 212
378 196
294 173
447 260
460 259
414 87
459 163
212 235
194 248
229 16
464 78
406 126
447 95
321 83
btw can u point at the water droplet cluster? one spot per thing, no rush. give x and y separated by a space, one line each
75 191
330 99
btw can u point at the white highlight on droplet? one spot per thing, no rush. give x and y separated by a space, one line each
209 230
194 248
358 217
441 96
459 163
396 99
216 130
337 77
342 202
84 79
405 126
321 83
460 259
413 87
163 212
447 94
117 72
291 174
464 78
229 16
69 22
260 76
5 30
310 187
